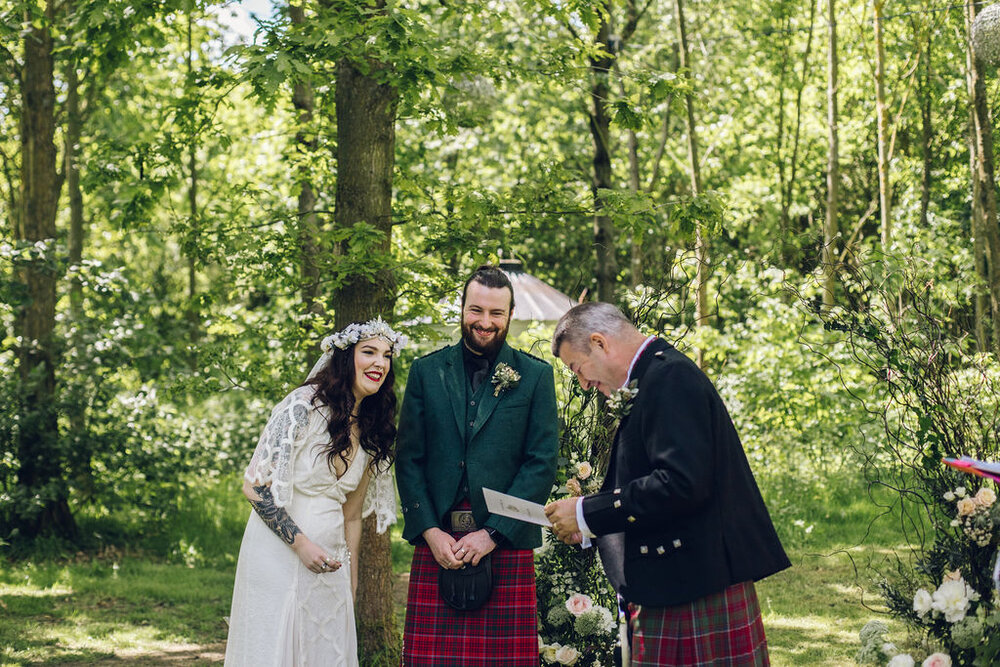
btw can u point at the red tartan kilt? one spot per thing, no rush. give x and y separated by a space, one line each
502 632
720 629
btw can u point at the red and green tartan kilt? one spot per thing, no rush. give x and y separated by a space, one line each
502 632
720 629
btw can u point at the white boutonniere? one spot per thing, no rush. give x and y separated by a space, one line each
620 401
504 378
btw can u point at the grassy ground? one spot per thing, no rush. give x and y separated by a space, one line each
114 608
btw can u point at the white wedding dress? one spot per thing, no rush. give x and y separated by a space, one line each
282 613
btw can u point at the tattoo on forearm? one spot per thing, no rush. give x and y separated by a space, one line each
274 517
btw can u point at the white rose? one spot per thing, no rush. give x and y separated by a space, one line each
584 470
986 497
952 599
549 652
902 660
922 602
949 496
966 506
567 655
960 492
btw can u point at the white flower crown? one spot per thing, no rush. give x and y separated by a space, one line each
376 328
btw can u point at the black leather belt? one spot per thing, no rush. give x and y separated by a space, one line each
462 521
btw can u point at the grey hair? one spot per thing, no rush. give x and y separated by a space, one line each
584 319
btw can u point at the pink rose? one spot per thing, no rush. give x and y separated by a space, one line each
937 660
578 603
573 486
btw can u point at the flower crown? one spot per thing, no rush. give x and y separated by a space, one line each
376 328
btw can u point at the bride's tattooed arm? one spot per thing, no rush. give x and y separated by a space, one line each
276 518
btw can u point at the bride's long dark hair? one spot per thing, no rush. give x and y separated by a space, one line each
376 418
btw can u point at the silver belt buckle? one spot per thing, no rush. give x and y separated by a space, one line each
462 521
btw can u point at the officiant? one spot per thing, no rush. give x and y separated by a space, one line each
475 414
681 526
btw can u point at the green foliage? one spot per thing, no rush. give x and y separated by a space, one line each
564 571
934 397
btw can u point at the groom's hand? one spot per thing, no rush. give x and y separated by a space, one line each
442 547
474 546
562 514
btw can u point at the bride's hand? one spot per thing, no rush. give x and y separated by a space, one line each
313 556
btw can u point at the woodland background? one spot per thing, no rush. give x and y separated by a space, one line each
185 211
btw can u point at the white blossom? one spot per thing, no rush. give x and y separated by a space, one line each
952 599
922 602
376 328
567 655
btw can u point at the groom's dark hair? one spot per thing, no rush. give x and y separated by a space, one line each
491 276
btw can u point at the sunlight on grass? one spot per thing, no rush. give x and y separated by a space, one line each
29 591
139 608
169 610
809 640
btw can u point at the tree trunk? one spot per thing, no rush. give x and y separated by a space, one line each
985 189
882 114
926 131
303 99
779 135
80 451
192 312
701 241
39 452
789 190
634 241
600 130
366 143
980 251
831 223
71 169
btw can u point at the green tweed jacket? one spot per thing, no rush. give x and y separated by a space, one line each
510 444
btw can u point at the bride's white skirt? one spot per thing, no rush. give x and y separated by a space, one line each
283 614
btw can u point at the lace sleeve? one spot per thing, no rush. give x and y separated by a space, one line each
272 459
381 499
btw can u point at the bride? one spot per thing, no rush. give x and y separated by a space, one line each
322 463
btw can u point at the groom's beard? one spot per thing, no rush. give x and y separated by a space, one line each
490 349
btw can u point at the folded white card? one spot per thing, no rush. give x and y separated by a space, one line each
515 508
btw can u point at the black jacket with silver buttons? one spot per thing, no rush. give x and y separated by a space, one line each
679 516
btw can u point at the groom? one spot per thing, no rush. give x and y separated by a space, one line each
681 526
475 415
